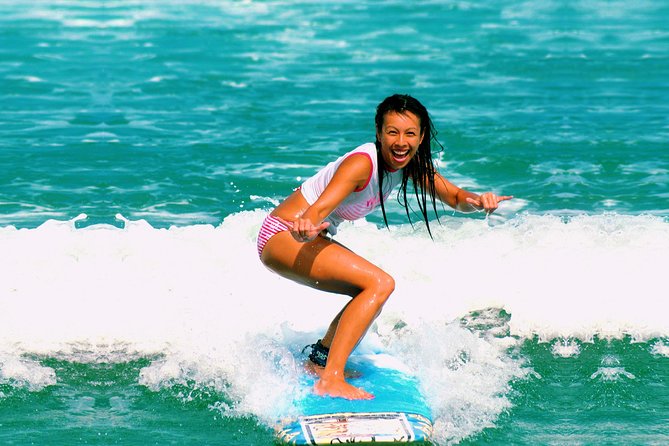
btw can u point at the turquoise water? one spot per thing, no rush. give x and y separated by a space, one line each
141 143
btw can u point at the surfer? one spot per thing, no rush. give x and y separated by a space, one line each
295 239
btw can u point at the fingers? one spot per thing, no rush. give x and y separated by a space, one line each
474 202
303 230
488 201
484 202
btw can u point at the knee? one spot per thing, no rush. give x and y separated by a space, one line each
384 287
388 284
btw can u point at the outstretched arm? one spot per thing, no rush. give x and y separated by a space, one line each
466 201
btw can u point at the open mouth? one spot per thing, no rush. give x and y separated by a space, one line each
400 156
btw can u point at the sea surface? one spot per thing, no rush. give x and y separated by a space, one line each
143 142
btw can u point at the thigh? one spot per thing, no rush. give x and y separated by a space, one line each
321 264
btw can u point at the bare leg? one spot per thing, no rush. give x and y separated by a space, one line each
328 266
332 329
353 324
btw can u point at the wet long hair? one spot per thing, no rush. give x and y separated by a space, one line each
420 170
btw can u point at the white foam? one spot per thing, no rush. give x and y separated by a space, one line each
579 277
198 302
258 375
611 370
464 376
660 348
26 373
566 348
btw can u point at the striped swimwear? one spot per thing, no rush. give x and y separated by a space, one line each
270 227
357 205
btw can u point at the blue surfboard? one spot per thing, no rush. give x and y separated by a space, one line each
398 413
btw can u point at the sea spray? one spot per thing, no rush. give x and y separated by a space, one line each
207 322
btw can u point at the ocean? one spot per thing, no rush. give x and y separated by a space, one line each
143 142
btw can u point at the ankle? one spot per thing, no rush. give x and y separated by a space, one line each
319 354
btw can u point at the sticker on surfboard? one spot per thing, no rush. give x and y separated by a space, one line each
358 427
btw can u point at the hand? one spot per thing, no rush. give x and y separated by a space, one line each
303 230
488 201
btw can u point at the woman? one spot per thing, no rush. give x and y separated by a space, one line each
294 242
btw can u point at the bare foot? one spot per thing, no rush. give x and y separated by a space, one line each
338 388
317 370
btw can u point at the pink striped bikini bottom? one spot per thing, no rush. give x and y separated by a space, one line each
270 227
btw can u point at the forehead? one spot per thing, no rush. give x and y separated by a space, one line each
405 119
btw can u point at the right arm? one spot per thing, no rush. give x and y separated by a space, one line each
351 175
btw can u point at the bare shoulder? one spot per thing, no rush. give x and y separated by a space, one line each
357 167
360 160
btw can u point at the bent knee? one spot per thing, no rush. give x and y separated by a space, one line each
388 284
384 285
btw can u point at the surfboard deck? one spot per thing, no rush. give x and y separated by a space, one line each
397 414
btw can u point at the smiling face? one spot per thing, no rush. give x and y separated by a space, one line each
400 137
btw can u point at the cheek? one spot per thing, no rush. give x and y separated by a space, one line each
386 144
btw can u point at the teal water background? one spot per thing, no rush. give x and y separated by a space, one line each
200 115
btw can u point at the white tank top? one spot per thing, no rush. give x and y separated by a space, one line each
359 203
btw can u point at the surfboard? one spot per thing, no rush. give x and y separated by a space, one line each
398 413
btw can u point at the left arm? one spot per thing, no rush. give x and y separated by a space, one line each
463 200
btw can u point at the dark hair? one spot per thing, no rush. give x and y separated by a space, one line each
420 169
